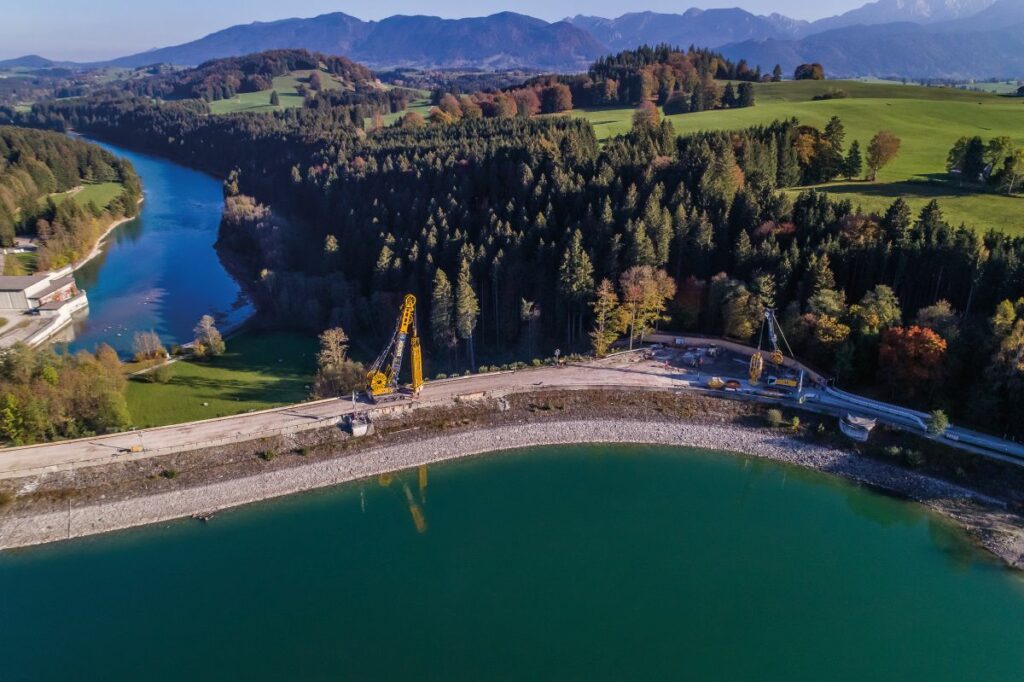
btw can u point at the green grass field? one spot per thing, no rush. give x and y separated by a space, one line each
260 370
101 193
259 102
928 120
421 106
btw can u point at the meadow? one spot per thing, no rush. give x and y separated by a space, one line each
259 102
260 370
421 105
928 121
100 193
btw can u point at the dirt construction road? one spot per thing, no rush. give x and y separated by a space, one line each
627 370
634 370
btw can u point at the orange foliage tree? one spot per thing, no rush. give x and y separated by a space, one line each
911 360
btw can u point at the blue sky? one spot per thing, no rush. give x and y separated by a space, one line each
100 29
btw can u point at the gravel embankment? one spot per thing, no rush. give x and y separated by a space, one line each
1000 533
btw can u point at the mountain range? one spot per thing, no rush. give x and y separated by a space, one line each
902 38
501 41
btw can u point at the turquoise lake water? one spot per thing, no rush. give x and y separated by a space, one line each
572 563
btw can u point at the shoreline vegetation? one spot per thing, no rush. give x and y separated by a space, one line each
97 248
199 484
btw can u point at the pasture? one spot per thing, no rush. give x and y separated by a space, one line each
259 102
260 370
927 120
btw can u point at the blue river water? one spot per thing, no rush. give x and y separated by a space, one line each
159 271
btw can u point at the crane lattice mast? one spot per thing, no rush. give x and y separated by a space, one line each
382 379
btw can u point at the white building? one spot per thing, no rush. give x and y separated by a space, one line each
36 307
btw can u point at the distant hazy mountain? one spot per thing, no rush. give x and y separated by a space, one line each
998 15
504 40
704 28
945 50
904 38
895 11
30 61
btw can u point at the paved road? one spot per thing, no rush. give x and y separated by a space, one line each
624 371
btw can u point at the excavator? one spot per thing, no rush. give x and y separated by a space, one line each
382 379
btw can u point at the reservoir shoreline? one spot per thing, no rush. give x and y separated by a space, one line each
992 528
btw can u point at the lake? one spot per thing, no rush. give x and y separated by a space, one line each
567 563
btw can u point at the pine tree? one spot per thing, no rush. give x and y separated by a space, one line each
575 281
729 97
746 95
835 133
467 310
641 249
777 74
854 165
275 100
442 305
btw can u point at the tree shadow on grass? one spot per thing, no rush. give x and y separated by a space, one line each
283 390
931 186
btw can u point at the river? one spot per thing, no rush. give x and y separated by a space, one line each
582 563
160 271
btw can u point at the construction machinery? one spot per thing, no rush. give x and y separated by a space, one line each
775 356
382 379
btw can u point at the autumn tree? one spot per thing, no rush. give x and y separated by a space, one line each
940 318
412 120
805 72
1006 367
147 346
208 341
336 373
646 116
450 106
556 98
645 293
527 102
606 318
883 148
911 361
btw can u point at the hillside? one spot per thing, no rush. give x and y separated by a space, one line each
928 120
224 78
505 40
37 166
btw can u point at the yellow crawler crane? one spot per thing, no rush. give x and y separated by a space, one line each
382 379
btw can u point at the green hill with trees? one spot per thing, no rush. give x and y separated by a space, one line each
38 172
928 121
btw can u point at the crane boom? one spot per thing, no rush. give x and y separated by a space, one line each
382 379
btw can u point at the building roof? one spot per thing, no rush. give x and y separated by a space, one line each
54 287
19 283
57 305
